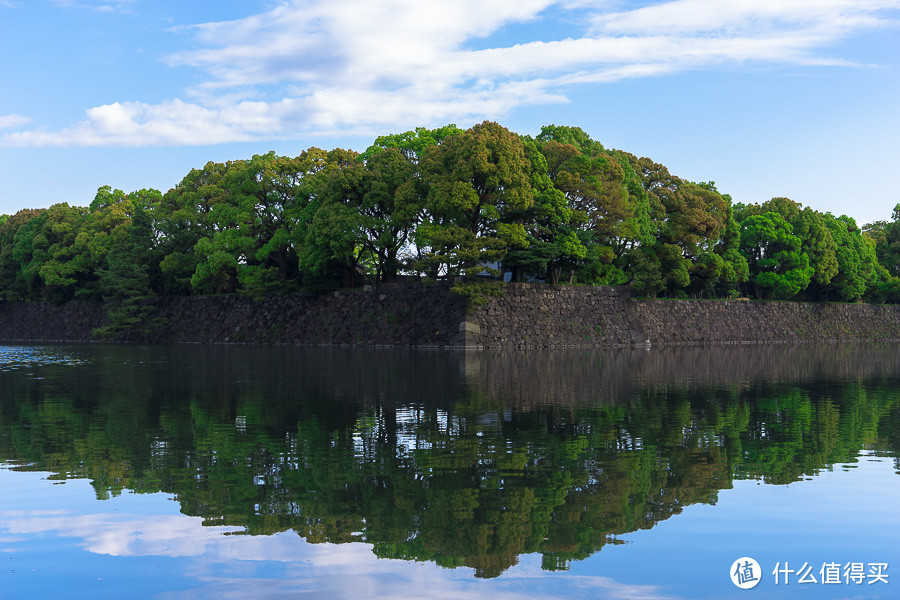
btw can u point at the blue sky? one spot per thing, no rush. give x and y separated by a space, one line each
795 98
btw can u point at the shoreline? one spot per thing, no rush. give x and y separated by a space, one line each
430 316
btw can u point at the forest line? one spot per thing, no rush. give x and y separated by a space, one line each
443 203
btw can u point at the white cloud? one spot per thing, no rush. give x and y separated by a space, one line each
121 6
123 534
13 121
349 40
356 66
761 16
172 123
211 558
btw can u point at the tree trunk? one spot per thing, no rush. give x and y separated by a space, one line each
552 275
389 268
349 277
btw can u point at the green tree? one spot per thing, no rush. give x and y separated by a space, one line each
856 260
885 235
479 187
235 225
106 229
124 284
334 243
394 200
413 144
815 239
53 268
269 192
597 196
553 242
392 206
181 219
688 216
778 266
734 271
14 278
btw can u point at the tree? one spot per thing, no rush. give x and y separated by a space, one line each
610 209
267 193
855 258
53 268
124 284
333 245
815 239
594 187
106 230
778 266
553 242
886 235
234 225
394 200
694 215
689 216
182 218
413 144
735 271
14 280
392 204
479 188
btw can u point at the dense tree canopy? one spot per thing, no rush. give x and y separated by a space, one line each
443 203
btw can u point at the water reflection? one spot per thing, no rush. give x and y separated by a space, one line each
458 459
13 358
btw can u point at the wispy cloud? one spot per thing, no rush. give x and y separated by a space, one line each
759 17
103 6
121 6
171 123
13 121
325 570
125 535
355 66
328 570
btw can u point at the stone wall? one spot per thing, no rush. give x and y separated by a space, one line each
411 315
527 316
44 321
558 316
414 315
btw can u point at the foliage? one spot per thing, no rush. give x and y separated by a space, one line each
477 292
778 267
444 203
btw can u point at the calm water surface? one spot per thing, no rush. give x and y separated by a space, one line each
196 472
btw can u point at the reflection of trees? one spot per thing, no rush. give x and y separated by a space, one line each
451 458
798 431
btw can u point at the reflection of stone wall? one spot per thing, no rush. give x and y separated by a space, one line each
740 364
717 321
528 316
524 380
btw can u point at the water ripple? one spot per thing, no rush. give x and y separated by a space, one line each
16 357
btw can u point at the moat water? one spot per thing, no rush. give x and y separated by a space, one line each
280 472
